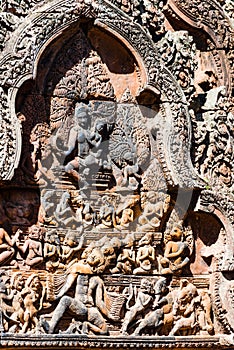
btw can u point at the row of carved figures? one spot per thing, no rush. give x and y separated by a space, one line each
118 256
153 308
61 209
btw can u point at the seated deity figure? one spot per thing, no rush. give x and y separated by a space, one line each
52 250
84 139
107 215
71 246
176 252
153 210
84 212
126 259
127 216
46 213
63 213
145 255
7 246
32 248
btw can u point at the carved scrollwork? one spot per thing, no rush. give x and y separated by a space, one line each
198 14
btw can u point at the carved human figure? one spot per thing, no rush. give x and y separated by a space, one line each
204 318
126 259
99 302
125 212
155 318
153 211
93 260
72 245
143 300
45 165
81 137
84 212
127 217
28 162
176 252
17 285
32 248
52 250
145 255
7 245
184 308
63 213
107 214
47 207
33 295
79 201
5 298
88 306
131 169
224 173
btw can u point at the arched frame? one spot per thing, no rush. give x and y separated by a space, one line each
45 24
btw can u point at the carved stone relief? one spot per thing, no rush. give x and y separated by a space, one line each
116 154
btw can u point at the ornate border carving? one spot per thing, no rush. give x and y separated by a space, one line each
218 29
18 62
70 341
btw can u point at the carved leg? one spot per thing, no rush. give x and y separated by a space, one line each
96 322
96 330
26 322
175 329
6 255
130 315
35 261
141 326
62 306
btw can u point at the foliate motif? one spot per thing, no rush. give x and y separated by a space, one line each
229 9
79 76
10 139
136 37
178 54
213 136
9 23
148 13
19 7
36 33
215 199
12 14
129 139
209 15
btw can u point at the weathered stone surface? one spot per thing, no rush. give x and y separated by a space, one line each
116 157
